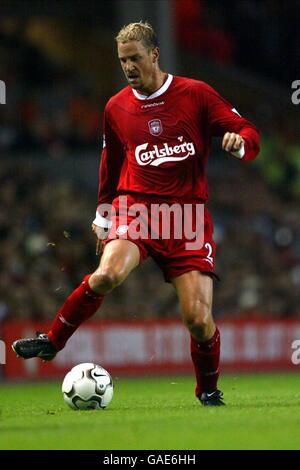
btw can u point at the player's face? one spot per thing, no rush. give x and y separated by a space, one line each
138 64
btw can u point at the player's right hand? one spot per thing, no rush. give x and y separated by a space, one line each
100 227
99 243
102 234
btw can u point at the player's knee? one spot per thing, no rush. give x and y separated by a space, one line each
104 282
198 318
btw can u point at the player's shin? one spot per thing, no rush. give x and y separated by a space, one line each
206 359
79 306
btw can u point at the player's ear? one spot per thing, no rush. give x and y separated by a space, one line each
155 54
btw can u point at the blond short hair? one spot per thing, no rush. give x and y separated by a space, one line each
138 32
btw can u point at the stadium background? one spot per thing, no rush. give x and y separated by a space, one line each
59 63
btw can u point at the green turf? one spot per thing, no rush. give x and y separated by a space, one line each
262 412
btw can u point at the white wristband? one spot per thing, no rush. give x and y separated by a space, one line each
102 221
240 152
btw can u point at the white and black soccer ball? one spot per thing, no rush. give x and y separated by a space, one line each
87 386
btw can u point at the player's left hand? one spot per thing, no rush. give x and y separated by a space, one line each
232 142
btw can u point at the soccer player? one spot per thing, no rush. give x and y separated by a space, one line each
157 139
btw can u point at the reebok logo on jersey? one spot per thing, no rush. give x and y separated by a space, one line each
151 105
166 153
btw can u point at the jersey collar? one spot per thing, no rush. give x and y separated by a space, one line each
157 93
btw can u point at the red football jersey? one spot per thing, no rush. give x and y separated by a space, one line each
159 145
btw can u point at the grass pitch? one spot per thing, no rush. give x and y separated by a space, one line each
262 412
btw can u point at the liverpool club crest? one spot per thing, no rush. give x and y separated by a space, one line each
155 127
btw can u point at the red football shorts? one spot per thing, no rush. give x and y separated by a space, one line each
166 235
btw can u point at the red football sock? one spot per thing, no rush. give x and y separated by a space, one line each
206 358
79 306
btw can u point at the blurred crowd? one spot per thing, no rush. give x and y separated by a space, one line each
257 35
51 109
258 239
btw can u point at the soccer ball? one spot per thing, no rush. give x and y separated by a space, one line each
87 386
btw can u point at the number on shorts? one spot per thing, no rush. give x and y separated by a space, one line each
209 257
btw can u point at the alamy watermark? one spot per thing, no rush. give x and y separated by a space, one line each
295 358
154 221
2 92
296 94
2 352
